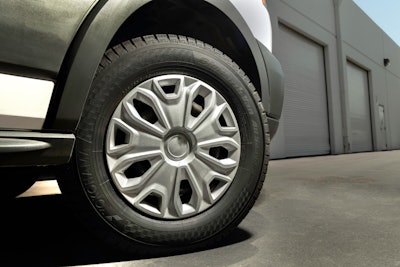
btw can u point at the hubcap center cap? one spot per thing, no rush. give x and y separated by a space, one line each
178 146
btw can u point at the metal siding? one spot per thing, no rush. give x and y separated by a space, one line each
360 114
304 127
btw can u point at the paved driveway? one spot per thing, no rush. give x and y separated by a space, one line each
319 211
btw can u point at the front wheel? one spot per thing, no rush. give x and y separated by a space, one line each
172 147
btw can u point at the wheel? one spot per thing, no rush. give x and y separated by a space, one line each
172 146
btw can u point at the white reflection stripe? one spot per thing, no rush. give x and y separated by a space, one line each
257 18
24 97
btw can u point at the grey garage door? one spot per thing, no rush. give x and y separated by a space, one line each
304 129
360 114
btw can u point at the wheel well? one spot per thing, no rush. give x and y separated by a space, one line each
196 19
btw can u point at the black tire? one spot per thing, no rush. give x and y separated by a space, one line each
102 205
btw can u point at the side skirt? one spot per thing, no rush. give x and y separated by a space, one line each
22 149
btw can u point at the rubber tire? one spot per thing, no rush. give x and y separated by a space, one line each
94 196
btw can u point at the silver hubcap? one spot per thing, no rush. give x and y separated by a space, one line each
173 146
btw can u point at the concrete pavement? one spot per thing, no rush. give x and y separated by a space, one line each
319 211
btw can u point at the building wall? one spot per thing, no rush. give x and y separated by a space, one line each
346 34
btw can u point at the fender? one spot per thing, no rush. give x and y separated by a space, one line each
92 40
269 68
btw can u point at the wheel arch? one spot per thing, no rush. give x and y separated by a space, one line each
120 20
82 60
198 20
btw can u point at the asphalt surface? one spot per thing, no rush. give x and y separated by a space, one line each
319 211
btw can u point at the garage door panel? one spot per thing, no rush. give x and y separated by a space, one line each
360 113
305 129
